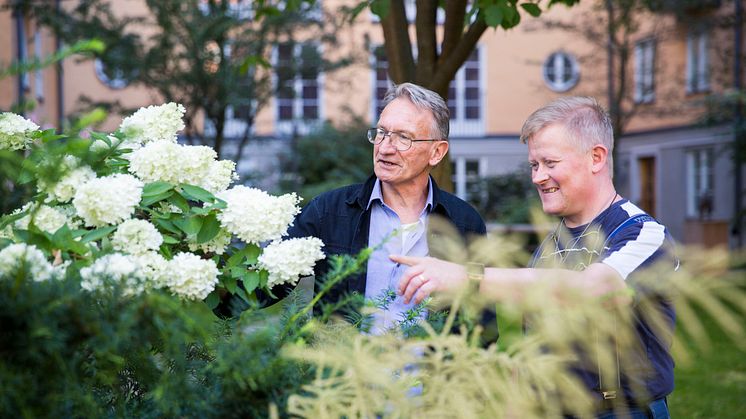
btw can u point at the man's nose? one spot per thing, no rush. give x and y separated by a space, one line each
539 176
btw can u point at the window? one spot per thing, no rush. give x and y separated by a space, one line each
645 71
116 68
410 8
561 71
465 98
466 173
697 63
700 182
381 81
298 76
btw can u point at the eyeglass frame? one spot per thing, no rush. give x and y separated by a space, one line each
385 133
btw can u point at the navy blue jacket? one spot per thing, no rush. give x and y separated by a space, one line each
340 219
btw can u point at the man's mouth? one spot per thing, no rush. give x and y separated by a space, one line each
387 163
550 190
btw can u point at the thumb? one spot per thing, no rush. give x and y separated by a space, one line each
406 260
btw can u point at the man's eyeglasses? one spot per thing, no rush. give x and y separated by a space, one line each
401 141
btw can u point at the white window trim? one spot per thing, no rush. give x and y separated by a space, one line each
697 62
410 8
298 125
695 158
460 173
561 87
460 126
373 110
645 71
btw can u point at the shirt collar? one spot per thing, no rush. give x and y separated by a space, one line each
377 195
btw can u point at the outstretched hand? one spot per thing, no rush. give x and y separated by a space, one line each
426 275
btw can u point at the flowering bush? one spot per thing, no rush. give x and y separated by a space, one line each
137 209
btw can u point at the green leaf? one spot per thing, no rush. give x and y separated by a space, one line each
230 284
251 280
169 239
150 200
63 239
179 201
532 9
212 300
98 233
380 8
156 188
195 193
166 225
493 15
189 225
252 252
511 17
210 229
263 278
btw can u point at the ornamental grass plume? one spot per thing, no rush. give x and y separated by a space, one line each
255 216
154 123
15 131
524 374
288 260
108 200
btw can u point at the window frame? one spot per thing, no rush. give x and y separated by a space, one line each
556 59
644 83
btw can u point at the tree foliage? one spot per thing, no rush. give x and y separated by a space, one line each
211 56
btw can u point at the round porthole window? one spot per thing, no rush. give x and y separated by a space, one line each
561 71
115 67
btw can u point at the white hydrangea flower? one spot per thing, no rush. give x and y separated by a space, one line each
217 245
154 268
108 200
191 277
220 175
14 131
156 162
114 268
154 123
254 216
46 218
136 237
75 175
288 260
13 257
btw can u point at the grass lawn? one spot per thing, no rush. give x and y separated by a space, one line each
714 384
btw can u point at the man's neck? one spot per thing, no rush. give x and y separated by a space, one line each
407 200
601 202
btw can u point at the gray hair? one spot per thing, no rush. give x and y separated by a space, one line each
584 120
423 99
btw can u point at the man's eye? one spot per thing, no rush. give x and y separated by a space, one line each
533 166
550 163
404 137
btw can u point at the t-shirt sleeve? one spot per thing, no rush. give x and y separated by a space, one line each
635 246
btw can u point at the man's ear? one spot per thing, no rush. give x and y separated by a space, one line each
599 155
438 152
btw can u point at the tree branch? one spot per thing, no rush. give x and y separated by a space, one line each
397 43
448 65
425 26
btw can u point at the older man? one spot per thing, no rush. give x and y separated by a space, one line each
390 210
569 150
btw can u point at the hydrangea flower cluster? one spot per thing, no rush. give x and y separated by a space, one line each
288 260
136 237
46 218
192 277
21 255
254 216
64 190
173 163
154 123
108 200
111 269
14 131
154 268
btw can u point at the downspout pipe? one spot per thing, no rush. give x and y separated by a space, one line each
740 130
20 56
60 76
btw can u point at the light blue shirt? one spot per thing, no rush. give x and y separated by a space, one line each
383 274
